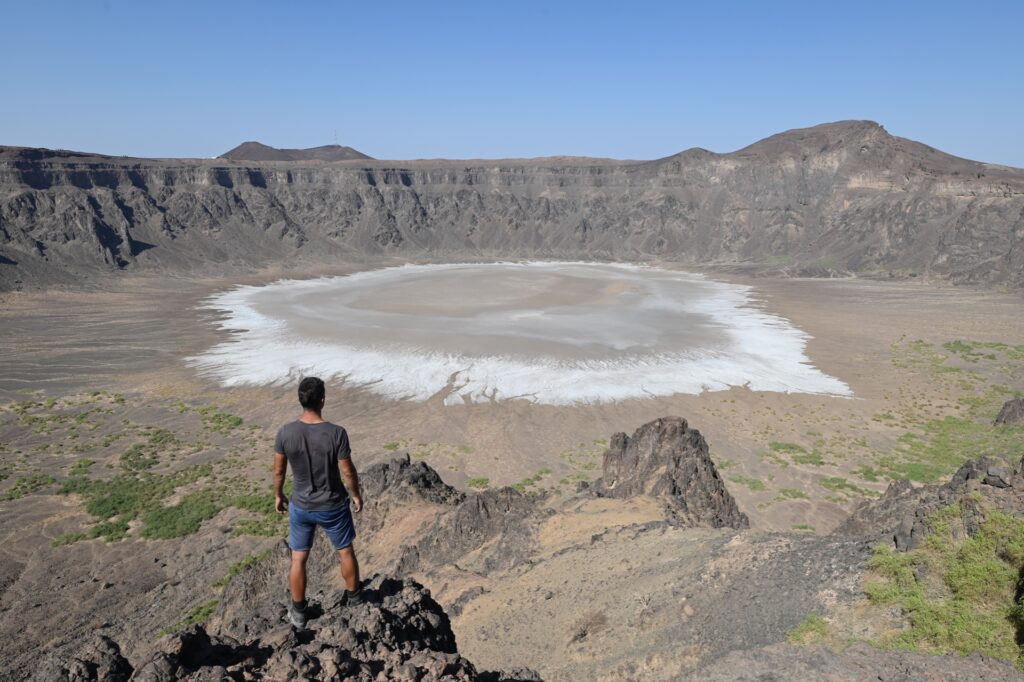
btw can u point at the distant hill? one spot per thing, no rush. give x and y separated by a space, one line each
256 151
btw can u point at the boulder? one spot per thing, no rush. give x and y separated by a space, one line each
667 459
99 660
1012 412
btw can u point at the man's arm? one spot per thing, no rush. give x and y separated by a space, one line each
280 467
348 470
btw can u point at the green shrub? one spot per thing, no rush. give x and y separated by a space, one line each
181 519
217 421
754 484
813 630
25 485
138 457
840 485
242 566
788 448
976 609
81 467
480 483
197 616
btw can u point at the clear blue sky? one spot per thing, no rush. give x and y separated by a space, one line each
399 80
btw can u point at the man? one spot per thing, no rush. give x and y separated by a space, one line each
316 450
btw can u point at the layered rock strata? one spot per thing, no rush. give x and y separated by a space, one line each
836 198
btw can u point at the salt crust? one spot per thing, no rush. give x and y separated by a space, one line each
754 348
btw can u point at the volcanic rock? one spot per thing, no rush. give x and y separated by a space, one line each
501 518
900 516
100 660
400 633
666 458
1012 412
835 198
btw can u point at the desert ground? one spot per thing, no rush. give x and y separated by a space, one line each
95 382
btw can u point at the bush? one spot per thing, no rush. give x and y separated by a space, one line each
975 609
25 485
197 616
813 630
182 519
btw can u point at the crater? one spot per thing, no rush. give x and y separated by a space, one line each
553 333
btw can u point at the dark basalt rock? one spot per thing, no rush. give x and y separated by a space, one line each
501 518
666 458
100 660
400 633
1012 412
900 516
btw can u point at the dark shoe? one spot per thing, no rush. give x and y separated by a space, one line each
296 616
354 598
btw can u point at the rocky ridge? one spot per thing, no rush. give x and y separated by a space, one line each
823 201
900 516
400 633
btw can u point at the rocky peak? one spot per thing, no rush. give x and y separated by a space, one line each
816 139
257 151
665 458
399 633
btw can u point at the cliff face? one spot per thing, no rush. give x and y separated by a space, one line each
842 196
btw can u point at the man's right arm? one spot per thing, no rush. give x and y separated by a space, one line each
280 468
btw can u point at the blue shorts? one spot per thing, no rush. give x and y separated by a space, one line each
337 523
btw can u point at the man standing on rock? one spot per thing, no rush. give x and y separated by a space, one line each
319 453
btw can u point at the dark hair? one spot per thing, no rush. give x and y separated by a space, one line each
311 393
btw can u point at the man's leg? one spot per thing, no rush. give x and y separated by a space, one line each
349 568
297 576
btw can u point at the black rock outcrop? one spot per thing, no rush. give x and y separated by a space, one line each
503 519
1012 412
665 458
900 516
100 660
399 633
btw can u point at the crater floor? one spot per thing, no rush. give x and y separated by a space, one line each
552 333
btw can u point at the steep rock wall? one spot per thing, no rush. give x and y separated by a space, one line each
838 197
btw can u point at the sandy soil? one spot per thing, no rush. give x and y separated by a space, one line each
114 362
135 341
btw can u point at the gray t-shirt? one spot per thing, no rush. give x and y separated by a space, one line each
313 451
